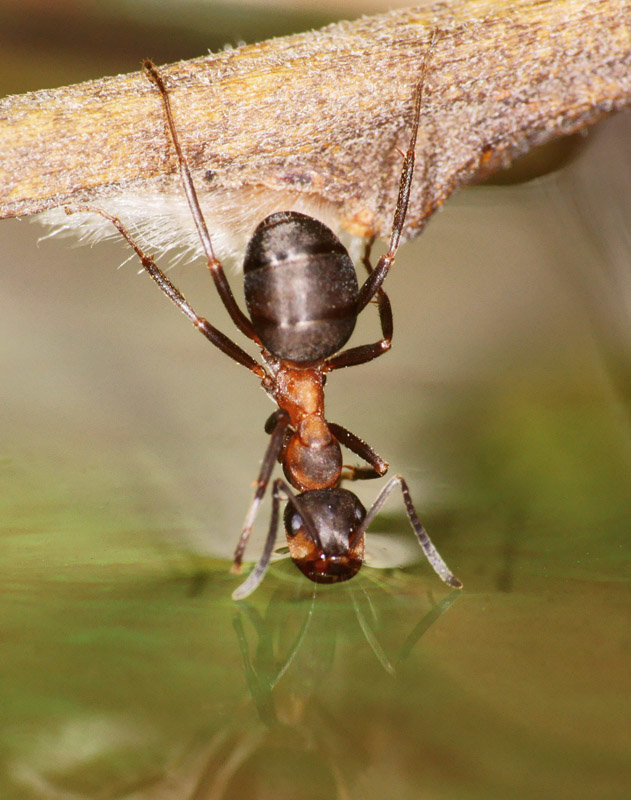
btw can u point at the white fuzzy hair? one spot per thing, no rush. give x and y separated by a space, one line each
163 225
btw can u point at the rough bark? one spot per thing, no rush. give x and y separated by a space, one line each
321 117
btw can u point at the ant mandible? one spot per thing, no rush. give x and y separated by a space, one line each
303 298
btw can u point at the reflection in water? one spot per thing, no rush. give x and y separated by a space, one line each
265 668
119 684
269 662
283 726
297 644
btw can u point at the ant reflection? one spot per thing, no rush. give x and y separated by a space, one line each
302 744
281 633
303 300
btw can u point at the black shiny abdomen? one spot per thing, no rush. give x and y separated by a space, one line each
300 287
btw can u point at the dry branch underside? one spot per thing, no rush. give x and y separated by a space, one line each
316 121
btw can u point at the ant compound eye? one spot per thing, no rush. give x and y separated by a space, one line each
295 523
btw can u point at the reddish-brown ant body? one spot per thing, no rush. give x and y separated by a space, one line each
303 299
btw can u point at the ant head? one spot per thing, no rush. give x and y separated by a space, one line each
323 537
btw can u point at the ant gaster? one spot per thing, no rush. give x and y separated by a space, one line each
303 299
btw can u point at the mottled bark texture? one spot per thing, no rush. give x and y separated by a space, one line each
324 115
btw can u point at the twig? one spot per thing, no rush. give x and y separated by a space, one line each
319 118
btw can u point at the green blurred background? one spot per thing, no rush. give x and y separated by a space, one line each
128 449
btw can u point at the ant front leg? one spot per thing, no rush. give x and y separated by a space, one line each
431 553
256 576
277 425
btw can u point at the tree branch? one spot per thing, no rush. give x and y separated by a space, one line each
318 119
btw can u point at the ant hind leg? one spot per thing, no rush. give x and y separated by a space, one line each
367 352
214 265
216 337
377 276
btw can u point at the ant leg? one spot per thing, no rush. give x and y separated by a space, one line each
383 301
216 337
431 553
214 265
372 285
378 466
280 422
377 276
367 352
256 576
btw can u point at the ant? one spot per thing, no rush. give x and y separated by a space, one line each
303 299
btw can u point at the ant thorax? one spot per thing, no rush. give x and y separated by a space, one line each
299 392
311 457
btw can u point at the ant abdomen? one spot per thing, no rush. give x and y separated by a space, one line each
336 515
300 287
